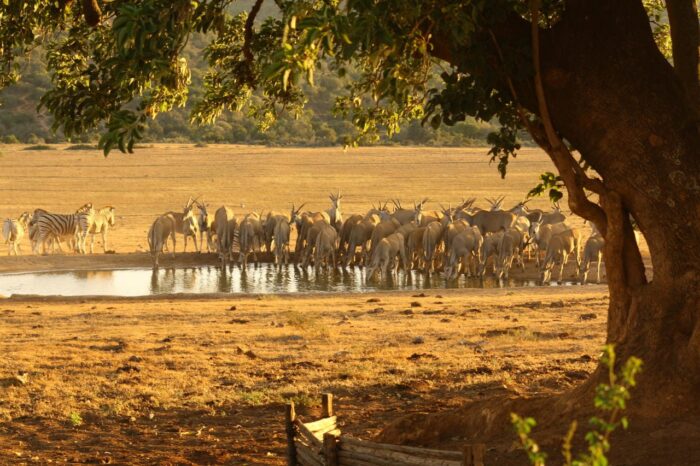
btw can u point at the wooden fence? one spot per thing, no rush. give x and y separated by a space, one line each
320 443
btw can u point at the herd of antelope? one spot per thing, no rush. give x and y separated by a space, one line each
48 230
454 240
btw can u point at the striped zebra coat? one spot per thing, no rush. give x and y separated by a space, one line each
53 228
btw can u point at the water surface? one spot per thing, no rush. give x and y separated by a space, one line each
263 279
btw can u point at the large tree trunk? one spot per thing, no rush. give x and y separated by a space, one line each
619 102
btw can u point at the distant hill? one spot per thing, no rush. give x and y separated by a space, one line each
317 126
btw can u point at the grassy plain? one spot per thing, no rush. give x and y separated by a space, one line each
191 381
161 178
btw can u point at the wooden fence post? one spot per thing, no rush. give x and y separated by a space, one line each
474 454
290 416
327 405
330 449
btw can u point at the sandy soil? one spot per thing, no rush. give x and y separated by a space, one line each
204 381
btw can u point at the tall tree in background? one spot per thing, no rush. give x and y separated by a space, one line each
581 76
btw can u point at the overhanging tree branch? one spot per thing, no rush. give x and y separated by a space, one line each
92 12
248 34
685 38
545 134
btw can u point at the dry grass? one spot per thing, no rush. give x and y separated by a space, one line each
158 179
161 371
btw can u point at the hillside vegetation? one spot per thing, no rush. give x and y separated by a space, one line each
22 121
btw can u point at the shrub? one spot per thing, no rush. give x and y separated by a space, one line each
34 139
82 147
10 139
304 400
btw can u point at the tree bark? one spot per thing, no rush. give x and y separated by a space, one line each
685 39
613 96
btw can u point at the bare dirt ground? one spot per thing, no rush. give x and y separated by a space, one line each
203 381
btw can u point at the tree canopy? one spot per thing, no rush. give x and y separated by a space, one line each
122 63
132 64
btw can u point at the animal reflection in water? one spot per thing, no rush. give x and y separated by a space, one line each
261 279
167 281
290 279
94 274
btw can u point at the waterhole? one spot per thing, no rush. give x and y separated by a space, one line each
263 279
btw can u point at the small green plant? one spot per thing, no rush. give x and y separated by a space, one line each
200 144
611 398
254 398
304 400
76 419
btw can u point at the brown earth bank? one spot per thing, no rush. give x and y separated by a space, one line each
204 381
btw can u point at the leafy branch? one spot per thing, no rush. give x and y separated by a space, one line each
611 398
550 183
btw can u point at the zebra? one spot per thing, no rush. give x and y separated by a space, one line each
54 227
13 231
101 221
